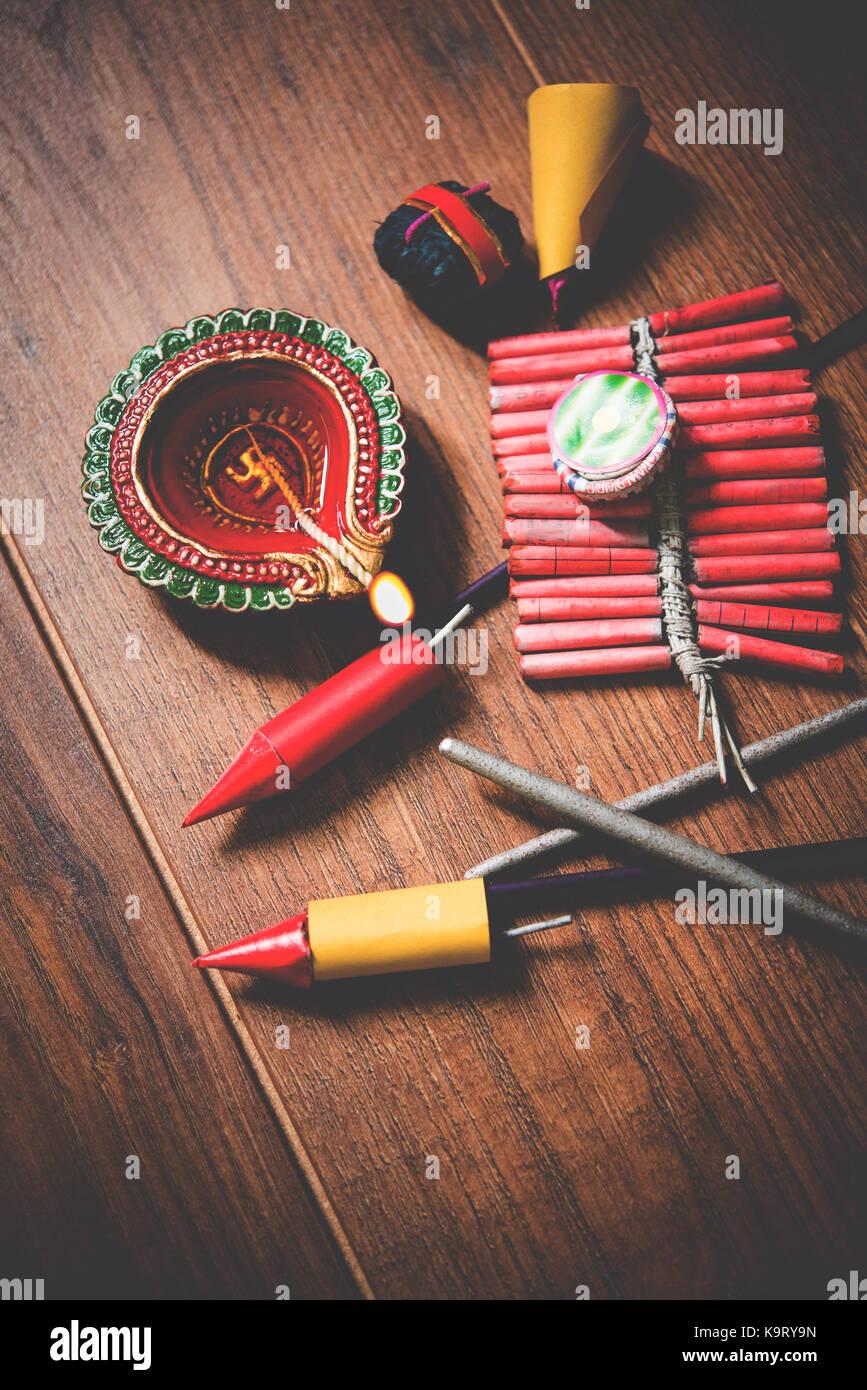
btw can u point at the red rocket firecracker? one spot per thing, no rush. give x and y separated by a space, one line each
322 725
463 923
353 703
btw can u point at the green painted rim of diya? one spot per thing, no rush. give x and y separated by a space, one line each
133 553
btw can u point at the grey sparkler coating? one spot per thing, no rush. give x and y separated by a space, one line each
648 839
562 842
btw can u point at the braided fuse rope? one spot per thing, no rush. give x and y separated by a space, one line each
678 606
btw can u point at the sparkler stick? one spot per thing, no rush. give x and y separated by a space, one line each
637 835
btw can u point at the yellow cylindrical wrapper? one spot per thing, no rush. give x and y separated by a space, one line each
406 929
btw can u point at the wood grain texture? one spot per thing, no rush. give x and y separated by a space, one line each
112 1052
262 128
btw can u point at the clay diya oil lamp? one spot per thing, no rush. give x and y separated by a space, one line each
248 460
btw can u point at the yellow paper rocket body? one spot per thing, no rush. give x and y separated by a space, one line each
584 137
406 929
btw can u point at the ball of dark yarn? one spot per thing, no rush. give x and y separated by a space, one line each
431 266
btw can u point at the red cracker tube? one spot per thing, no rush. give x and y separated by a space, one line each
571 610
522 446
730 308
559 613
773 619
536 395
720 412
572 635
727 357
796 430
515 371
788 591
529 395
748 331
532 473
607 661
524 463
575 339
798 539
518 481
528 531
791 430
752 463
598 339
614 585
509 423
604 661
748 492
511 371
761 330
604 632
524 480
709 313
758 543
705 388
769 409
565 560
798 516
743 569
545 506
513 422
716 642
764 549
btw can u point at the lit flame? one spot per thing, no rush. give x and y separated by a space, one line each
390 599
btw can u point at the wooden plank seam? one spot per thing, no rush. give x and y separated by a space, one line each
90 718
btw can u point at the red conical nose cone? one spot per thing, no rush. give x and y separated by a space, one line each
281 952
251 777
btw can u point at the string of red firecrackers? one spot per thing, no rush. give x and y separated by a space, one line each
754 497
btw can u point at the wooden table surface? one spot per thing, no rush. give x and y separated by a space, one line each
263 1167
